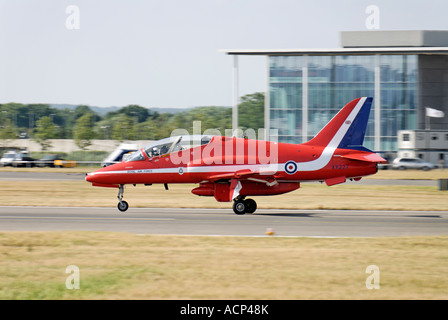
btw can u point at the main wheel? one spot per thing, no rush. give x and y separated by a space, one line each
251 205
239 207
123 206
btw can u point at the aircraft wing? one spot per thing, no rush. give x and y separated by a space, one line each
231 190
232 175
246 174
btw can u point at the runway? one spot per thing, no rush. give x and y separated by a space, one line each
222 222
59 176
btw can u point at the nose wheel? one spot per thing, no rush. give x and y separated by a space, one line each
122 205
241 206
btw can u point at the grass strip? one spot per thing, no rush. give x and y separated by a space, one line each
128 266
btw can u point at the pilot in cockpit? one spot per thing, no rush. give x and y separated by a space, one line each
163 150
155 152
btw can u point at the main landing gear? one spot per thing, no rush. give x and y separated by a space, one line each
241 206
122 205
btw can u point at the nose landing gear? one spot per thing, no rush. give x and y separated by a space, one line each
122 205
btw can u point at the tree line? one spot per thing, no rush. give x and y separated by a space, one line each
42 122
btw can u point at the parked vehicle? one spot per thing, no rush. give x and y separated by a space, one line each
47 161
55 160
7 158
17 159
23 160
412 163
62 163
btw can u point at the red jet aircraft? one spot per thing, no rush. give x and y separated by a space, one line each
230 168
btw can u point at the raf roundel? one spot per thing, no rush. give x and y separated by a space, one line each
290 167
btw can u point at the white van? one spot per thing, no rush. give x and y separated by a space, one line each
7 158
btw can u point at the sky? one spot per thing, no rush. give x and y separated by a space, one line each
166 53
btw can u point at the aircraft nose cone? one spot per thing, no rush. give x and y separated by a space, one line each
89 177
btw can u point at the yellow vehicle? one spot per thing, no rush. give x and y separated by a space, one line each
60 163
55 160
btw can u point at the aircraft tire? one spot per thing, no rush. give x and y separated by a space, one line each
123 206
251 205
239 207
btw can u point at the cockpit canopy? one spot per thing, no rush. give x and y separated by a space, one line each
169 145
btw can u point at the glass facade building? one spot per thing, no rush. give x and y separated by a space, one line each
404 71
306 91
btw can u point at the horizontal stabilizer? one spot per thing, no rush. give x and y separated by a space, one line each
367 157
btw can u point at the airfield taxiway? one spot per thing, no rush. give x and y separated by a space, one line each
223 222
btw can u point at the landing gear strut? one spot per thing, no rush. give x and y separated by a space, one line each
241 206
122 205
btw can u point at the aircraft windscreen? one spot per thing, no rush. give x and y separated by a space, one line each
136 156
174 144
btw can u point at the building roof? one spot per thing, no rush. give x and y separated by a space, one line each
369 43
339 51
394 38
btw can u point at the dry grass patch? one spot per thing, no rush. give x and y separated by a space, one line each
411 174
126 266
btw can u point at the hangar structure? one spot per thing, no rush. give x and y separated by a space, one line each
404 71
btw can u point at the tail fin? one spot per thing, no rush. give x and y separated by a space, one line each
347 128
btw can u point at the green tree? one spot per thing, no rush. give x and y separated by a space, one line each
141 114
7 131
103 128
123 128
83 131
210 117
45 130
31 112
24 117
157 128
138 113
251 111
82 110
